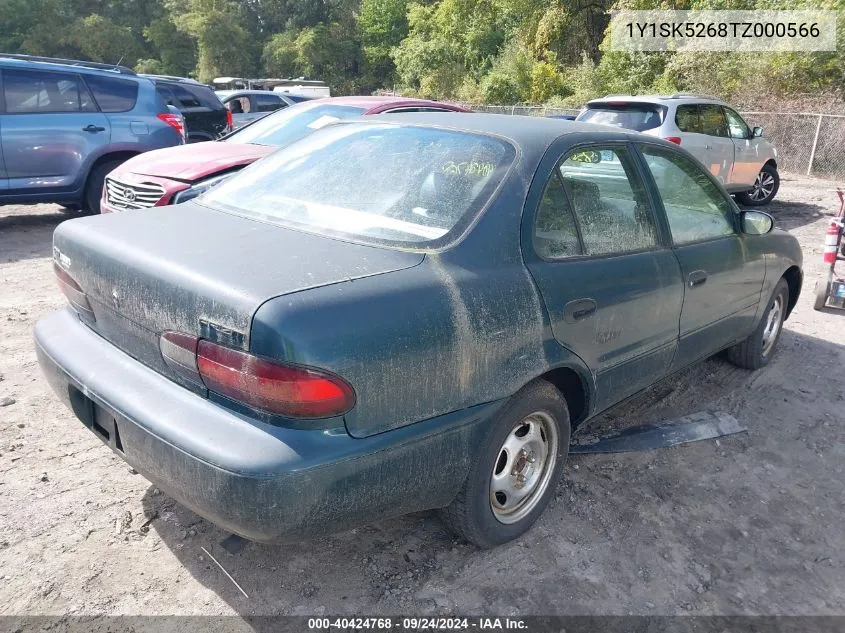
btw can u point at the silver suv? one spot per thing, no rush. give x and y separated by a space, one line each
743 161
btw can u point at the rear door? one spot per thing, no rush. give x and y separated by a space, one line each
706 137
722 269
50 129
611 285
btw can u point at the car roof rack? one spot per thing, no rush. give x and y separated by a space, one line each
687 95
123 70
186 80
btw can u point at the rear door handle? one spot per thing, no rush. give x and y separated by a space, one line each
93 128
579 309
696 278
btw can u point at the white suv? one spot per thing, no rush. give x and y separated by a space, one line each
743 161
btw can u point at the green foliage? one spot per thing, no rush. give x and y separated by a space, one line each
494 51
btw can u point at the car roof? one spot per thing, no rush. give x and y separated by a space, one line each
243 93
63 65
373 102
675 99
522 130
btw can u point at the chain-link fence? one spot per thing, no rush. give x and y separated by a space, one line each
807 143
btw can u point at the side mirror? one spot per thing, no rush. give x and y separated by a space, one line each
757 132
756 222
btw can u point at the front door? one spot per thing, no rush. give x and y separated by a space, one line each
747 159
50 128
612 289
722 270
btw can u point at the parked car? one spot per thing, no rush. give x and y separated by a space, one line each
65 124
737 154
171 177
249 105
402 313
206 118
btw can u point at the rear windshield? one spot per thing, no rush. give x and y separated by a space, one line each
385 184
293 123
187 95
632 116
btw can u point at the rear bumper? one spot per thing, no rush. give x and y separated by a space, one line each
261 481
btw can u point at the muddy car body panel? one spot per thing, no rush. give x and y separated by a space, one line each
434 335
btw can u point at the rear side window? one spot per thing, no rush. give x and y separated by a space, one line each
268 103
687 120
703 118
112 94
43 92
632 116
202 95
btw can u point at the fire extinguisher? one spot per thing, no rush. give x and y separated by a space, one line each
831 242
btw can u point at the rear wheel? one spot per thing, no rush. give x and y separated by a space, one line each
763 190
517 469
96 181
757 350
822 290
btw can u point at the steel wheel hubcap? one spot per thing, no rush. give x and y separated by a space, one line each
763 186
524 467
774 319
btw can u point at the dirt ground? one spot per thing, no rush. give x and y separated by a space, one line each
748 524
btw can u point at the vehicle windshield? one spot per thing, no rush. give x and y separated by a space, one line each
293 123
377 183
632 116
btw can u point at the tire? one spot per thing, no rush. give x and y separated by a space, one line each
96 181
757 350
822 291
535 419
764 190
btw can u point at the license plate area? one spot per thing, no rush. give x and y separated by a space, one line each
97 418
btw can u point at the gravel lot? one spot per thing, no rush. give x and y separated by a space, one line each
749 524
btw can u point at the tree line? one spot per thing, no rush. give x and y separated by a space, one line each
479 51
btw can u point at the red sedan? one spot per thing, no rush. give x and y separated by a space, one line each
178 174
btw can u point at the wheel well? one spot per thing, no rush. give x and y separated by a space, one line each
793 278
771 162
571 386
107 158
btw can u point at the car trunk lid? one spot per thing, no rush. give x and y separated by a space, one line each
199 271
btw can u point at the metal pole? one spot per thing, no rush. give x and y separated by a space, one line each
815 143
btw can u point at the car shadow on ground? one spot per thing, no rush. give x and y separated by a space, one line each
412 564
28 235
790 215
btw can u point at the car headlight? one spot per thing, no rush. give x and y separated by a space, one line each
200 188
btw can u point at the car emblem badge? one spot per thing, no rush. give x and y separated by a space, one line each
129 194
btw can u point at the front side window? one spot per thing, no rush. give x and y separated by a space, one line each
268 103
737 126
695 207
385 184
42 92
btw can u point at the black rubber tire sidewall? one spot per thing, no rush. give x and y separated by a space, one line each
94 187
749 353
484 529
745 199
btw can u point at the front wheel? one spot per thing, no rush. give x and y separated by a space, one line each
763 190
96 182
757 350
515 473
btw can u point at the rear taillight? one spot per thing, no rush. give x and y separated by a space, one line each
288 390
174 121
229 120
673 139
73 291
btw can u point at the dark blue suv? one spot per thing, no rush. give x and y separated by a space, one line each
65 124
